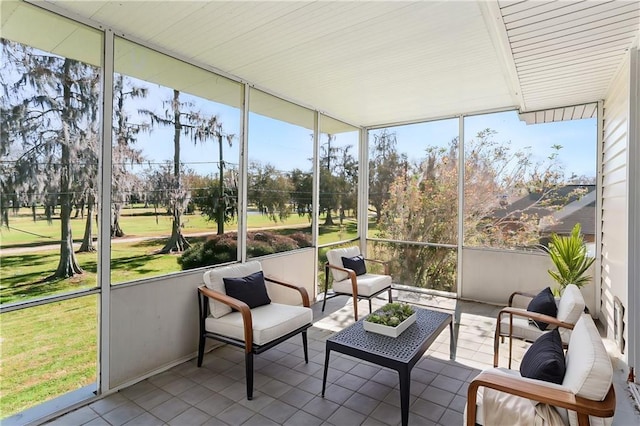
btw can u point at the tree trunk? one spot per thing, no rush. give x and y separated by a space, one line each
116 230
328 221
34 216
87 241
48 212
177 242
68 265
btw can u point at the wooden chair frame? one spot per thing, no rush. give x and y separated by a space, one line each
538 390
519 312
250 348
354 285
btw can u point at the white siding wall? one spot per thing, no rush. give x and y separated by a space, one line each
615 190
518 270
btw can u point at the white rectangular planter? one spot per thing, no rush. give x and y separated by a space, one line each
387 330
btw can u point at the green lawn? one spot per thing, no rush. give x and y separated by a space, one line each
47 351
50 350
135 222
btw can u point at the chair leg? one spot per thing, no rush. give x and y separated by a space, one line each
390 301
510 350
370 309
326 287
304 347
355 307
201 349
248 362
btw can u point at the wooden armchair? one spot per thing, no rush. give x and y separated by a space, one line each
515 322
585 397
348 282
230 320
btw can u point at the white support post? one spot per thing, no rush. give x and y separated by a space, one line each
460 204
315 198
597 279
242 177
363 190
633 177
105 166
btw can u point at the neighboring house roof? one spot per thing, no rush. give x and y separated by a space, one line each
585 216
580 209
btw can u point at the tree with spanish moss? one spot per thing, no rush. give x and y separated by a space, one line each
124 155
182 117
48 120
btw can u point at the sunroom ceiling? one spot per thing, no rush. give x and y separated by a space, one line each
372 63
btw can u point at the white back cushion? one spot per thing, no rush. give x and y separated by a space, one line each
571 305
589 371
213 280
335 258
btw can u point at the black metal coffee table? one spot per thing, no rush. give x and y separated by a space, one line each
400 353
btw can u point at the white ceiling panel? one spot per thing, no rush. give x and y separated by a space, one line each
567 52
377 62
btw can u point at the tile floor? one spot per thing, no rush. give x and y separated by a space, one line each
287 391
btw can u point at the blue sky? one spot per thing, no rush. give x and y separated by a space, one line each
287 146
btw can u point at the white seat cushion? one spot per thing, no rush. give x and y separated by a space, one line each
589 370
524 330
269 322
334 257
213 280
368 284
509 409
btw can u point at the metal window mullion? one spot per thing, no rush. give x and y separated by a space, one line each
243 178
315 198
104 240
460 204
363 189
12 307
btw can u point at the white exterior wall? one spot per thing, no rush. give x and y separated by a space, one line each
154 323
491 275
615 199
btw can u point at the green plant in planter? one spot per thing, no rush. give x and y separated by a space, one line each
391 314
569 255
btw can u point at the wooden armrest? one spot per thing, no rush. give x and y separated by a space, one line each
240 306
302 290
538 390
520 293
351 272
381 262
534 316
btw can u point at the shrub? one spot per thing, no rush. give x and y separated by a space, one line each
223 248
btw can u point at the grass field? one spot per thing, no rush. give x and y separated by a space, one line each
50 350
47 351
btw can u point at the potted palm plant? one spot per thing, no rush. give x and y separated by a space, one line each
569 256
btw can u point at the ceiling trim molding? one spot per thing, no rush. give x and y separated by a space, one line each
498 32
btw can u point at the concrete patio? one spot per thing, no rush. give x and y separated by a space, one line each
287 391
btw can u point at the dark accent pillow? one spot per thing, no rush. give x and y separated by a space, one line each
355 263
545 359
250 289
543 303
